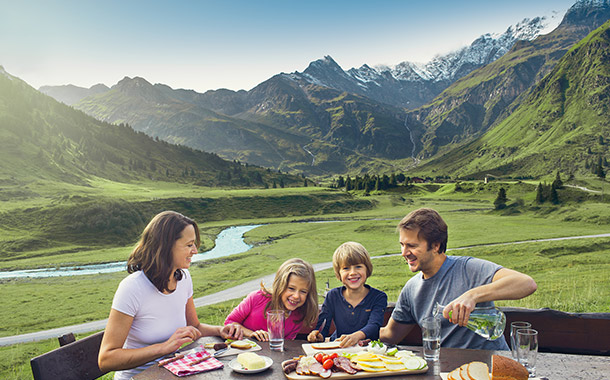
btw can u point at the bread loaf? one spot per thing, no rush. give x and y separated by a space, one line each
503 368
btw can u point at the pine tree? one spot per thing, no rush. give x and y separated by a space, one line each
600 169
554 195
558 183
501 199
539 194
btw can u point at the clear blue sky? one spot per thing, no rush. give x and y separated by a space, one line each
205 45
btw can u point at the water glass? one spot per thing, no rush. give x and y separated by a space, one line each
514 326
527 349
275 327
431 337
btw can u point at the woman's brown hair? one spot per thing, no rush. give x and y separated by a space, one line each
153 253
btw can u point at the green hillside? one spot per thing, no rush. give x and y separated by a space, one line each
477 102
43 140
562 124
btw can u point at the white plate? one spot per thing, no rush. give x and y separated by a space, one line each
235 366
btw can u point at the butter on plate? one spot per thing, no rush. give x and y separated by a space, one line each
250 360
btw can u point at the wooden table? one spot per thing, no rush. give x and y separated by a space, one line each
551 366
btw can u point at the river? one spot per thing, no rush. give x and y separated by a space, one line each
229 241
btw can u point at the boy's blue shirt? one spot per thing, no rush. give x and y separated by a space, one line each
367 316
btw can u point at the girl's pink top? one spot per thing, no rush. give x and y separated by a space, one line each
250 313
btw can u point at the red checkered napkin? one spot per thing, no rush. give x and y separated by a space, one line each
183 367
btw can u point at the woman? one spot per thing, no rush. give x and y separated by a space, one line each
153 313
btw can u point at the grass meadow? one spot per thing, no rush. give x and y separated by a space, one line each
572 275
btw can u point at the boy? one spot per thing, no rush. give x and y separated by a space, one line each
356 308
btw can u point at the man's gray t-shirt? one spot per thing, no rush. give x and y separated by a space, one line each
457 275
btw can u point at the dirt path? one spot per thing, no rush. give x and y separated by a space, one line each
227 294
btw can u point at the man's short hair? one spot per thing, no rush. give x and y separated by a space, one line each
432 227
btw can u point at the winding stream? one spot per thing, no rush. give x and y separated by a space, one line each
229 241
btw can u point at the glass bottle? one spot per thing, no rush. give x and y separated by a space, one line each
487 321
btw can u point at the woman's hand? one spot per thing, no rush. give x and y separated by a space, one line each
260 335
182 336
231 331
315 336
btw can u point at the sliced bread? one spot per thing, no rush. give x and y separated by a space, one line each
478 371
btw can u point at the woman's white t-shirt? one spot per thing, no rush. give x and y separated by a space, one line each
156 316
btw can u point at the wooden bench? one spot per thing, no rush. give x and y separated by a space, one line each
558 331
73 361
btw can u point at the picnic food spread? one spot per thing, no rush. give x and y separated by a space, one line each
502 368
363 363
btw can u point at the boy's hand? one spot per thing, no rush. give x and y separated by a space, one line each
351 339
315 336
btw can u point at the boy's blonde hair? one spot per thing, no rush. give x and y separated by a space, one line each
351 253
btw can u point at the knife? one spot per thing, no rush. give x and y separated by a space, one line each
220 352
322 328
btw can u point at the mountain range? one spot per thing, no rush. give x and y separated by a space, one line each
326 121
44 141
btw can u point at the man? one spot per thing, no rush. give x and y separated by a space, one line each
458 282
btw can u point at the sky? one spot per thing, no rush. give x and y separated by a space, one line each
237 44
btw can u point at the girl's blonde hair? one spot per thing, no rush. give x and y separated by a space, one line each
300 268
351 253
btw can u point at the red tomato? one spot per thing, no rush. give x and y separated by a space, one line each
333 355
319 357
328 364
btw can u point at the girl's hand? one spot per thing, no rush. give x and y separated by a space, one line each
231 331
260 335
183 335
315 336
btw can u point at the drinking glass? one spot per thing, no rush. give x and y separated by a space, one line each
431 337
527 349
514 326
275 327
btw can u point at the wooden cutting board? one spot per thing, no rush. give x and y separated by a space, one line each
444 376
309 350
237 351
357 375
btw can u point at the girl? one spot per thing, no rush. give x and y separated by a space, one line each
356 308
153 313
294 291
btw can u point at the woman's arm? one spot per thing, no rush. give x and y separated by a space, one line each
230 331
114 357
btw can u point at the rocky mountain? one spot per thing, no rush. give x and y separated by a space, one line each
278 124
411 85
326 120
473 104
562 124
43 141
70 94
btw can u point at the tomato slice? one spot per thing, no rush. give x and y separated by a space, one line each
328 364
319 357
